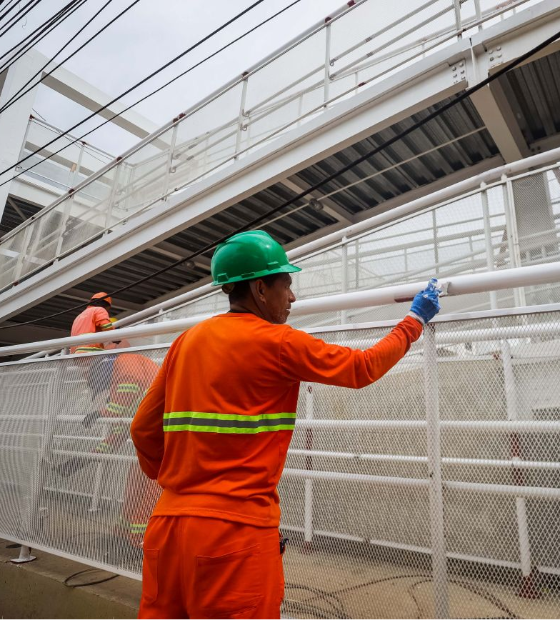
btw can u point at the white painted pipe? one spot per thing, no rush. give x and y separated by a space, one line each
456 285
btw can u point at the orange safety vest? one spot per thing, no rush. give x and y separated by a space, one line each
215 426
93 319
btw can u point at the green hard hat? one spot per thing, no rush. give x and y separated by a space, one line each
247 256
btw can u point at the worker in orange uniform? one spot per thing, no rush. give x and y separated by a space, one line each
95 318
132 374
214 430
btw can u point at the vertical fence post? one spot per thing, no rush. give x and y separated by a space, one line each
357 263
32 521
436 249
439 560
113 195
488 240
344 273
458 24
327 78
241 116
169 166
23 253
527 588
478 13
308 508
513 236
69 201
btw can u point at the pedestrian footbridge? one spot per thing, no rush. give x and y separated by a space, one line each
435 492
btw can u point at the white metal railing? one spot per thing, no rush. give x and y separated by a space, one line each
263 103
445 457
458 285
473 213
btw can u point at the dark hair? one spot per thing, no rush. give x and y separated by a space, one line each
241 289
101 303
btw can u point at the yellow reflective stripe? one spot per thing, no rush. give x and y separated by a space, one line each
128 388
88 349
119 409
202 422
229 430
226 416
107 326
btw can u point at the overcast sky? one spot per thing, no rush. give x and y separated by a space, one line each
151 33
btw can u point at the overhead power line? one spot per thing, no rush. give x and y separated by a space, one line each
153 92
19 94
40 33
262 218
18 16
132 88
8 9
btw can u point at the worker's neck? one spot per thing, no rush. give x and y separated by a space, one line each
247 307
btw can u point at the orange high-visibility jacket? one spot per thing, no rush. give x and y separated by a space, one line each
131 376
92 319
215 425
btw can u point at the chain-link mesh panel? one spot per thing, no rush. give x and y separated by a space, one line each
434 491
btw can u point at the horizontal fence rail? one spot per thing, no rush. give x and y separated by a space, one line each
444 473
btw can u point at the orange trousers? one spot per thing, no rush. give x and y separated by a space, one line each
208 568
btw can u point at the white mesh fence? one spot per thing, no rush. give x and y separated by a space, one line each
435 491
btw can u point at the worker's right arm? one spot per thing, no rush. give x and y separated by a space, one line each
101 319
305 358
147 426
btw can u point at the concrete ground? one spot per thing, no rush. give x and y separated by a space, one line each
37 590
321 582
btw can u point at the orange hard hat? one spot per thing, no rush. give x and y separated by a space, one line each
102 296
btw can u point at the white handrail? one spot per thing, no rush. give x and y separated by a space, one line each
456 285
367 225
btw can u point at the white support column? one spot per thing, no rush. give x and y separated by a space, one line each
14 121
439 560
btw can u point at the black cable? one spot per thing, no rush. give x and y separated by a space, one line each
41 32
157 90
465 94
19 15
177 77
8 9
89 583
129 90
19 94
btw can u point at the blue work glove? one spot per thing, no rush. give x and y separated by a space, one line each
425 304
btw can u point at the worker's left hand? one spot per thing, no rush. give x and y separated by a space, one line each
425 304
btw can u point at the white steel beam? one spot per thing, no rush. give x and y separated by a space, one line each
500 122
73 87
379 106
